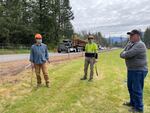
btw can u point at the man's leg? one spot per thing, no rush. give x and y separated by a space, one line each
45 73
138 84
130 86
86 65
92 61
37 72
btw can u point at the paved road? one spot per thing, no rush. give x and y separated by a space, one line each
13 57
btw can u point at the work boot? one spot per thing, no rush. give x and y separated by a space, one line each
133 110
47 85
128 104
90 80
84 78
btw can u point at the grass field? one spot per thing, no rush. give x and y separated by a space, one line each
14 51
70 95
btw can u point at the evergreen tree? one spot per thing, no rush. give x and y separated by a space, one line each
147 37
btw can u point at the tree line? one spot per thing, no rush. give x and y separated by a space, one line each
99 38
146 37
106 42
21 19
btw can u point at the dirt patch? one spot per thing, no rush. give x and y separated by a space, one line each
9 71
13 67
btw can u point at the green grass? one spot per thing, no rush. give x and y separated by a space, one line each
70 95
14 51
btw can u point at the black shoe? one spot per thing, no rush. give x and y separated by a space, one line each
84 78
133 110
90 80
128 104
47 85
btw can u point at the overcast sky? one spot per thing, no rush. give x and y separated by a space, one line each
111 17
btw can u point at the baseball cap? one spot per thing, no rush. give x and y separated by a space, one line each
135 31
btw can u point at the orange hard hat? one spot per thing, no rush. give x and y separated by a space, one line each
38 36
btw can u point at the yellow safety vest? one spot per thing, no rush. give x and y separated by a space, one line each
91 48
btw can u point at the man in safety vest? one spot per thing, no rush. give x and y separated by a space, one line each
38 58
91 55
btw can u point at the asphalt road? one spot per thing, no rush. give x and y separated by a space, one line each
14 57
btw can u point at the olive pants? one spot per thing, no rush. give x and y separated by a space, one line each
89 61
38 68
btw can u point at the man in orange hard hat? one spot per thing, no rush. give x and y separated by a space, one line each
38 57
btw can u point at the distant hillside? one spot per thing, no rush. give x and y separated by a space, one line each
117 39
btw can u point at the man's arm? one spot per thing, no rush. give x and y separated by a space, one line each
86 48
47 55
125 49
96 51
31 55
128 45
136 49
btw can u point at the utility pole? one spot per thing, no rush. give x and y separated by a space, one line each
121 41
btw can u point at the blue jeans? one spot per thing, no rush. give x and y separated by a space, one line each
135 85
